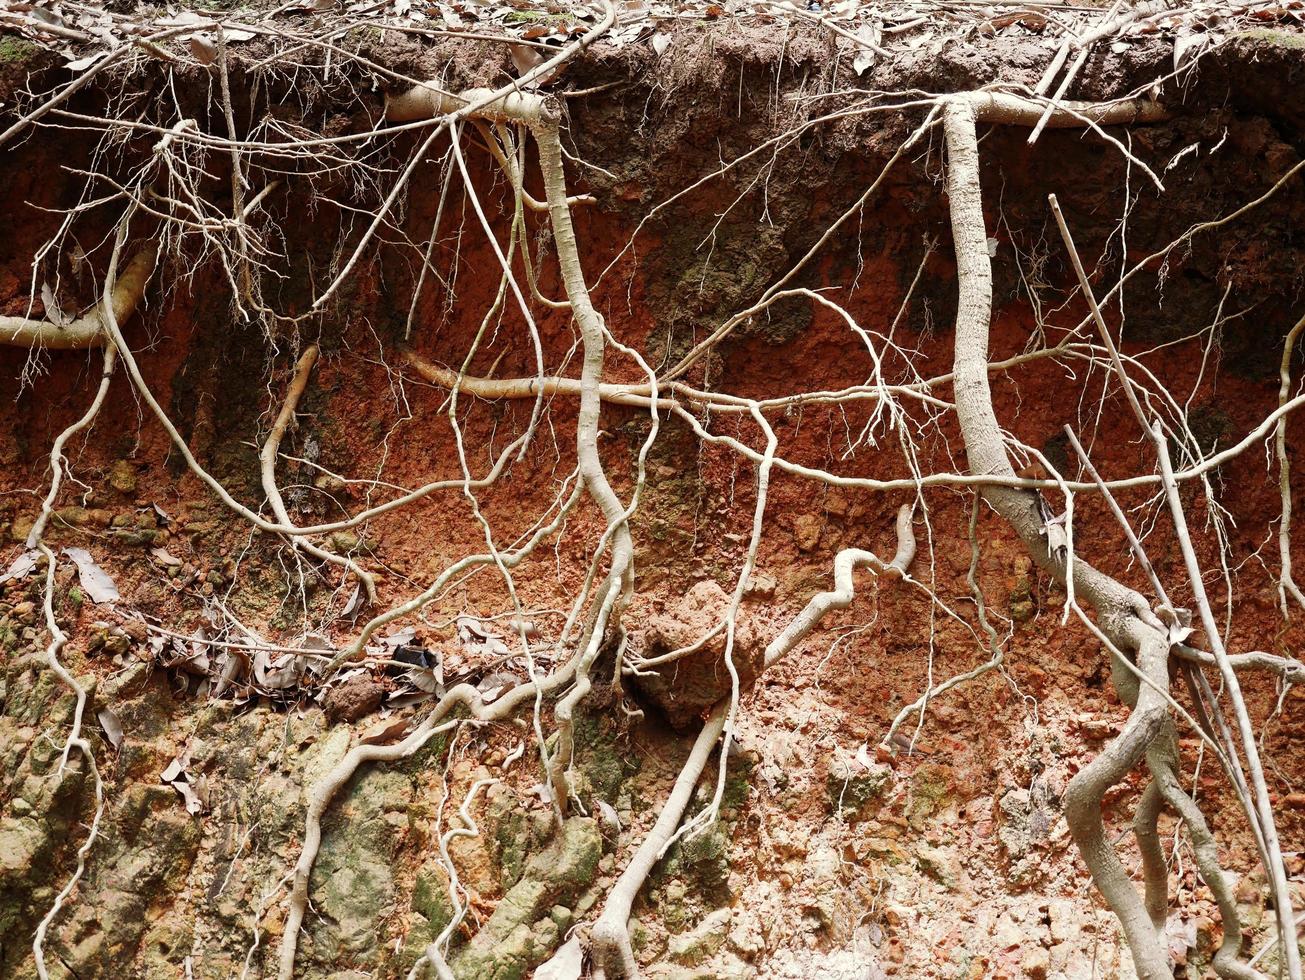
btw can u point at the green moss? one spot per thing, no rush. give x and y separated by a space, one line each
1266 35
523 929
511 838
430 897
931 788
16 50
703 863
858 796
604 766
738 782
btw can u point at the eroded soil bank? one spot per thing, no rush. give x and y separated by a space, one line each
942 854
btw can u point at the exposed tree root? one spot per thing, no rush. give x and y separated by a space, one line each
846 562
88 329
75 739
1140 640
611 950
323 792
1286 583
267 468
1125 618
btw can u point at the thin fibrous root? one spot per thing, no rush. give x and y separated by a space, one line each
58 638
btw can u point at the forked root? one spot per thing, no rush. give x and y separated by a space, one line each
267 468
324 791
1125 622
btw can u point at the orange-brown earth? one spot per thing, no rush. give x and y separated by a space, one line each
958 864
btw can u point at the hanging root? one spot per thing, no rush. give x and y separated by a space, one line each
1126 622
611 950
75 739
267 469
1286 583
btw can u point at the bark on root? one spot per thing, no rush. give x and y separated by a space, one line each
87 330
1124 618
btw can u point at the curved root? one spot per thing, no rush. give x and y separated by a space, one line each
610 947
58 638
267 469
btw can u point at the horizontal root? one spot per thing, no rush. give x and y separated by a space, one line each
87 330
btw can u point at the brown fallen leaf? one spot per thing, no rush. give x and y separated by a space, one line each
385 733
112 726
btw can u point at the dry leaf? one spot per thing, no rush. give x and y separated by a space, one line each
195 794
1187 48
165 557
660 42
524 58
53 311
95 581
565 964
355 602
609 815
385 733
204 48
81 64
276 675
22 566
233 667
174 771
112 726
870 35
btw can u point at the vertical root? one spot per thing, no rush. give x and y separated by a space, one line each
58 639
1167 788
1120 610
1155 870
267 469
1286 583
1083 798
612 953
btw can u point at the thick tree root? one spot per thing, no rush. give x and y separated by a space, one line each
87 330
1123 614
